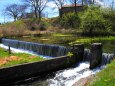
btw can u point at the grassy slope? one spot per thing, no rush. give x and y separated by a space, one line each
24 58
106 77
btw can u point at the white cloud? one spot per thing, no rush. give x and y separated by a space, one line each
51 9
51 4
100 2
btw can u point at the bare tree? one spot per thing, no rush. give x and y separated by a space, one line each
82 3
112 5
15 10
59 4
37 6
22 10
75 3
93 1
90 2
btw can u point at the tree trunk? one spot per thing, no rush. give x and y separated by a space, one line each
60 12
75 6
93 1
82 4
91 31
112 5
39 13
36 14
14 18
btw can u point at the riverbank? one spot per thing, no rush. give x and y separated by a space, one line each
106 77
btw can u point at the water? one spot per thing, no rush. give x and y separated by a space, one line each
106 58
14 50
41 49
69 76
60 40
65 77
108 45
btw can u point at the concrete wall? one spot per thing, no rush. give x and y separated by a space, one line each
19 72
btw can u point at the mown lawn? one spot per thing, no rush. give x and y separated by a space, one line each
7 60
106 77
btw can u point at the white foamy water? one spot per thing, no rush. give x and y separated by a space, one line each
69 76
14 50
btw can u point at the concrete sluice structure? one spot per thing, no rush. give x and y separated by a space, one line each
83 62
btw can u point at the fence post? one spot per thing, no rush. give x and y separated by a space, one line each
96 55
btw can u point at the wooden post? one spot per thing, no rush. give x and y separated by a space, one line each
78 52
96 55
9 50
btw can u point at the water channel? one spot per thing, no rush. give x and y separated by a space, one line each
68 76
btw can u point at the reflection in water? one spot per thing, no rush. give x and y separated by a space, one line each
64 40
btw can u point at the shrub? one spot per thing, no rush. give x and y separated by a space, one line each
17 28
110 16
70 20
42 27
93 22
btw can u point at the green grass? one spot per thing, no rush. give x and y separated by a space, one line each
106 77
24 58
61 35
93 39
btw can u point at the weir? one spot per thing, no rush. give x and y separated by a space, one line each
80 54
41 49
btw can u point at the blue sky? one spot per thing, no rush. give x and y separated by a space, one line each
51 13
3 4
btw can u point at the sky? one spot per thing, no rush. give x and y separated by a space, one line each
3 4
50 11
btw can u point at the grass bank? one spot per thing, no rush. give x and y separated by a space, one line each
7 60
106 77
93 39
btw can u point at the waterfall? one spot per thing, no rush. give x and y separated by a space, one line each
42 49
87 55
106 57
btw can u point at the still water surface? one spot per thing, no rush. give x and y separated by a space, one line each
108 46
